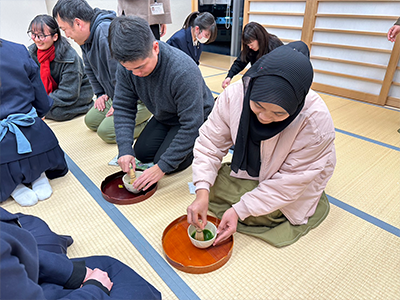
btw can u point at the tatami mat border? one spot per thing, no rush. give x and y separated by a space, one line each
365 216
163 269
368 139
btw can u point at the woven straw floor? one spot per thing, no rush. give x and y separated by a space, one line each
353 254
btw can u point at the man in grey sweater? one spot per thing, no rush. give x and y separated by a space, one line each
171 86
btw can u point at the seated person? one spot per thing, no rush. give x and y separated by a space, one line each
100 67
256 42
61 70
198 28
30 153
284 152
170 85
34 265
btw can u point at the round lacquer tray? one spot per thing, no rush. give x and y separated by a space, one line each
113 190
184 256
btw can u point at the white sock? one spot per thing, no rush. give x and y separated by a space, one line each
42 187
24 195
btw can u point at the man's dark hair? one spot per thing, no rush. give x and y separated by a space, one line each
68 10
130 38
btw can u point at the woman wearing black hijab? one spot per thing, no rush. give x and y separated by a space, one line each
284 152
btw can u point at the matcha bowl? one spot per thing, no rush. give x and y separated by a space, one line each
127 179
210 233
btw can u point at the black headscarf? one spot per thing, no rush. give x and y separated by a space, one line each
282 77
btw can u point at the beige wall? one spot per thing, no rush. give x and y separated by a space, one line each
15 16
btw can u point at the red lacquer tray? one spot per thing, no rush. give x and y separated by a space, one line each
113 191
181 253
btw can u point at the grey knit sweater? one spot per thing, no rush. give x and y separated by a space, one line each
175 93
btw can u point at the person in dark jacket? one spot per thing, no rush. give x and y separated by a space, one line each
30 153
256 42
34 265
170 85
61 70
88 27
198 28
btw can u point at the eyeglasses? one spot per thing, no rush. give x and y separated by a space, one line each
39 36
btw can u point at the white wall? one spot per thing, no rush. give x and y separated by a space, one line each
180 10
15 16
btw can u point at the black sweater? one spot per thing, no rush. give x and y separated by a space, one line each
251 57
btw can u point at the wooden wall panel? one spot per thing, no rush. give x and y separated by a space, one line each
349 50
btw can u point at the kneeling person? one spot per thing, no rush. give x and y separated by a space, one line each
171 86
284 152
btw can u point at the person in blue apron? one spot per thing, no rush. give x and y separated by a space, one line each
198 28
30 154
34 265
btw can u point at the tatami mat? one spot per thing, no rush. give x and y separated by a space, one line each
367 177
71 210
370 121
346 257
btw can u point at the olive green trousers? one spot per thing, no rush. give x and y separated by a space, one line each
97 121
273 228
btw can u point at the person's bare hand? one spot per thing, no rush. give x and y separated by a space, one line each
100 103
126 161
110 112
393 32
101 277
198 209
228 225
149 177
226 82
